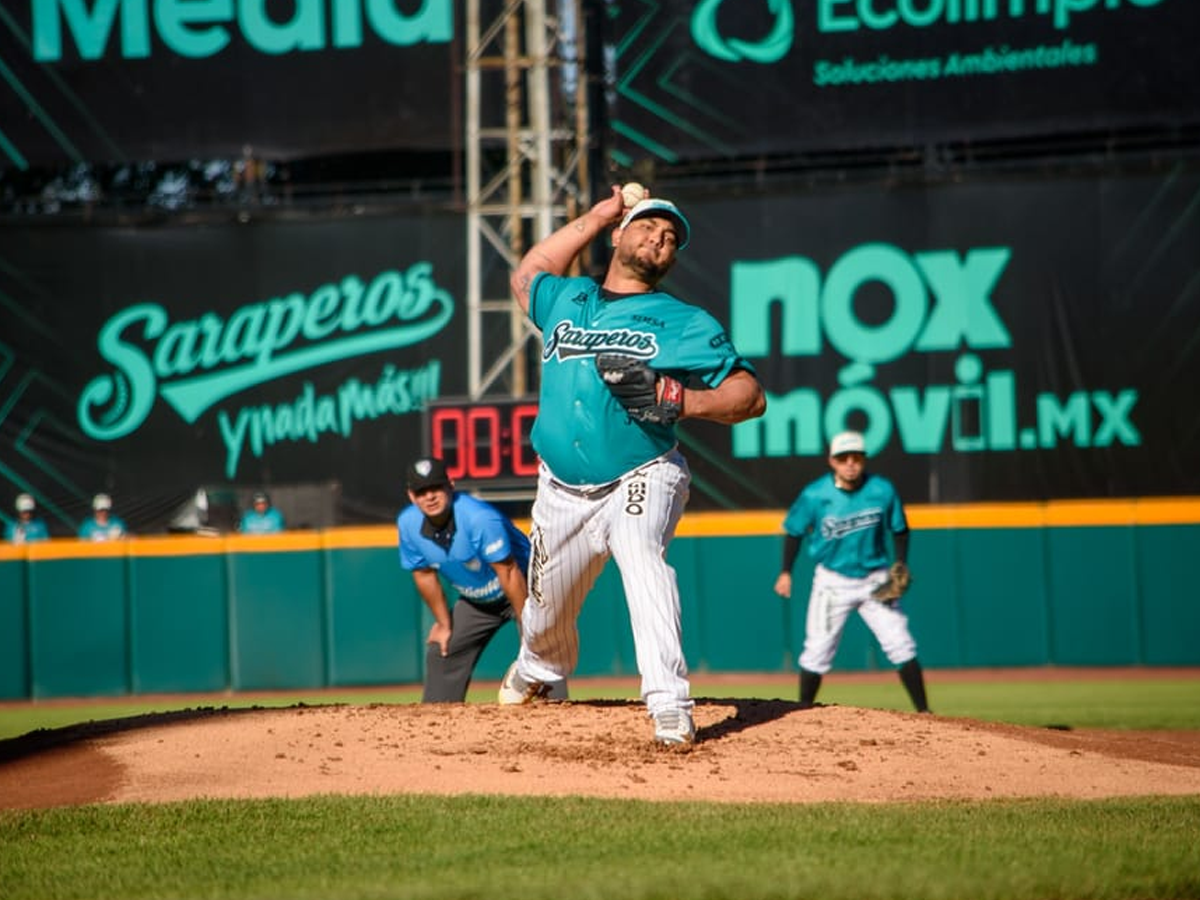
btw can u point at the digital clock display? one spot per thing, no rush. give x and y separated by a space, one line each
484 441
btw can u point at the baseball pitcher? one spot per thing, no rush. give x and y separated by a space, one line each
622 363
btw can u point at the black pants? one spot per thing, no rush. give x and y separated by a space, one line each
472 628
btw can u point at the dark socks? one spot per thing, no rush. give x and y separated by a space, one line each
810 683
913 679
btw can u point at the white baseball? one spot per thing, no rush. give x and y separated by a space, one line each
632 193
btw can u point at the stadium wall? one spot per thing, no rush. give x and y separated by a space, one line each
1088 583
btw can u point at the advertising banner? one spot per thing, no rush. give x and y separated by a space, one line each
114 81
1003 339
721 79
147 362
998 340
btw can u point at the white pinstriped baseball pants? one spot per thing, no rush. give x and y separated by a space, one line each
832 600
573 537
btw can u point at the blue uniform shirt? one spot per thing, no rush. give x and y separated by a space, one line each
254 522
482 535
19 532
582 432
847 531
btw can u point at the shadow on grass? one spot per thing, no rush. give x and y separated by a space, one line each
43 739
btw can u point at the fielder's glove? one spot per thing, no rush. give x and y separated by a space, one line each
898 580
647 396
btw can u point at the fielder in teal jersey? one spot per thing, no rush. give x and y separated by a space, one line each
103 524
855 526
261 517
612 481
28 527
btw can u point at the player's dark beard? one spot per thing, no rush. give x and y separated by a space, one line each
649 272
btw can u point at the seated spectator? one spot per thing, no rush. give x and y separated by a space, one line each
262 517
102 524
28 526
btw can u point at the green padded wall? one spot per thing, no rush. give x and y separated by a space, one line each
376 634
741 625
278 614
243 615
79 627
179 623
1002 585
1094 611
1166 577
934 603
14 630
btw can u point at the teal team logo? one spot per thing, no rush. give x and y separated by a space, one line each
833 17
196 364
566 341
772 48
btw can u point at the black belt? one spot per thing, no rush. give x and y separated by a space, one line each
595 493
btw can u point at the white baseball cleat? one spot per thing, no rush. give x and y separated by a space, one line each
514 689
673 728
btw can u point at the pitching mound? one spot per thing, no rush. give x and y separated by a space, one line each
747 750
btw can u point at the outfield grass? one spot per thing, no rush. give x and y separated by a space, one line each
337 848
493 848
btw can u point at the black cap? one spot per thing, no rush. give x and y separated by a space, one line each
426 473
260 497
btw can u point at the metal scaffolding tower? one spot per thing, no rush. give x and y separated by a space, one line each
527 154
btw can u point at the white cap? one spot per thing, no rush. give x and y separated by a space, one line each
25 503
847 442
652 206
101 501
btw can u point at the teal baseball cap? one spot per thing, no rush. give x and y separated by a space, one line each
653 206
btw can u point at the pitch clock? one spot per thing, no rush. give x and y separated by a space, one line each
484 443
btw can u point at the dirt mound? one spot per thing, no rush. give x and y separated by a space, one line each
747 750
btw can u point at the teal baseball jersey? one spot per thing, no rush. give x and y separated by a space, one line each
254 522
28 532
112 530
847 531
582 432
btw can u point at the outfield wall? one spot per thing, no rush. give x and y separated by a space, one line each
1086 583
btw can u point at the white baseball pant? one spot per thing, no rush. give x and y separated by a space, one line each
832 600
573 535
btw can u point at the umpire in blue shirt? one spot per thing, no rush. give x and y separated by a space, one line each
480 554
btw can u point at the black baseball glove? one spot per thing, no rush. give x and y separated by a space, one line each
647 396
898 580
